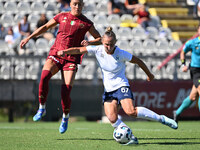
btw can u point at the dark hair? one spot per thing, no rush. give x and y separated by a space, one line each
110 33
26 15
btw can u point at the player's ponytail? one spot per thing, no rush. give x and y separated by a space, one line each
110 33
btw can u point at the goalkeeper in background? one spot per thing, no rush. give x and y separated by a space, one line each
192 46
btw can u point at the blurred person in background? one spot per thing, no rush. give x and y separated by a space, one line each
11 40
24 27
117 92
132 5
42 21
3 32
116 7
126 7
64 5
196 8
73 26
192 46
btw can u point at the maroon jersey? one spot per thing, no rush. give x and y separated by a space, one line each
72 30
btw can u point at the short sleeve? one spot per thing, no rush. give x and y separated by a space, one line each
126 55
92 49
57 17
187 46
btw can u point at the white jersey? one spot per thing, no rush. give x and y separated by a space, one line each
112 66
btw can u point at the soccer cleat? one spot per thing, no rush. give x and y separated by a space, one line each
169 122
40 113
63 125
133 140
175 116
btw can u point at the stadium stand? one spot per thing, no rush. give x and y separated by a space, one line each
4 49
7 19
24 7
5 69
139 33
37 7
149 46
2 10
42 46
50 7
176 15
151 42
136 47
11 7
114 19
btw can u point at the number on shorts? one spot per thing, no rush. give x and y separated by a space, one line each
124 90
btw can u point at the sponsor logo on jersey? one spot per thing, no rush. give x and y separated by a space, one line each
64 19
81 25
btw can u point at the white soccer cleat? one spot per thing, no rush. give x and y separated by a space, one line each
169 122
133 140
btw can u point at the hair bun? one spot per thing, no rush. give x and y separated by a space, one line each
108 29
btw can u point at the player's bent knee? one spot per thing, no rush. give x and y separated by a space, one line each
193 98
112 118
132 113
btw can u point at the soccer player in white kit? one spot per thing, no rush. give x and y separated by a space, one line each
112 60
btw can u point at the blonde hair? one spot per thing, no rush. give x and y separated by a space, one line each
110 33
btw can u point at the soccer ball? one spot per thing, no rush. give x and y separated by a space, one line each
122 134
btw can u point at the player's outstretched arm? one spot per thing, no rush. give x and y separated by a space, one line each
96 35
39 31
142 65
73 50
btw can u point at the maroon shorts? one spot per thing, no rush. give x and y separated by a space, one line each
63 64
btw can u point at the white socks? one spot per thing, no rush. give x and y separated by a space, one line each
118 123
42 106
65 116
145 113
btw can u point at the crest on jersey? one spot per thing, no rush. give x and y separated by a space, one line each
196 47
72 23
117 57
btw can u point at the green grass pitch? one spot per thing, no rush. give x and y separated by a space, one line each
82 135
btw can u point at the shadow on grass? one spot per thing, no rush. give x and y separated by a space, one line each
180 141
146 143
169 138
171 143
92 139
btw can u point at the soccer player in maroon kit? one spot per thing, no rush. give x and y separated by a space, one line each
73 26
